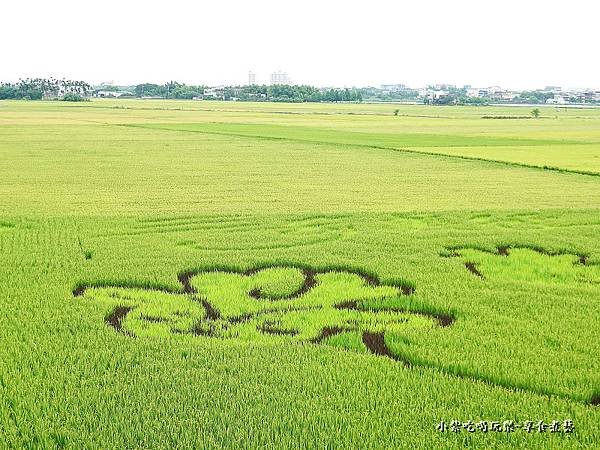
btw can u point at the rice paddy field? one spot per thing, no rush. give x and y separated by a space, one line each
178 274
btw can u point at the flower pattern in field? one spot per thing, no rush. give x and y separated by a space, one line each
340 307
530 264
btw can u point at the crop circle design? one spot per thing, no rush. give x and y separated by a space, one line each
341 307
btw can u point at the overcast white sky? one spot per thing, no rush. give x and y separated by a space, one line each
513 43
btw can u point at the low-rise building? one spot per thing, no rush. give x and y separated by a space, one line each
214 93
557 100
393 88
112 94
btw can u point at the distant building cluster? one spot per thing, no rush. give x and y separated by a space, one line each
280 78
564 97
493 92
276 78
439 92
551 95
393 88
113 94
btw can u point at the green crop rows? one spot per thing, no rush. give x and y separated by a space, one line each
208 275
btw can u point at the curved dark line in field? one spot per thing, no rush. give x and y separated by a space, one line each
309 272
472 267
308 283
115 318
543 251
449 254
442 319
79 290
328 332
263 312
184 278
153 319
504 250
210 332
212 313
375 343
269 327
381 147
582 258
515 388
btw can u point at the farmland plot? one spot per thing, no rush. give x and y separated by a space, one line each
184 274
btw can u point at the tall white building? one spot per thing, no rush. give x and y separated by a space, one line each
280 78
251 78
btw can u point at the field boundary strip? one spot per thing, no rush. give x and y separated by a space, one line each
230 110
378 147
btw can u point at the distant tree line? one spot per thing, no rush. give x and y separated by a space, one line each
69 90
45 88
458 96
172 89
273 93
455 96
533 97
374 94
41 88
304 93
